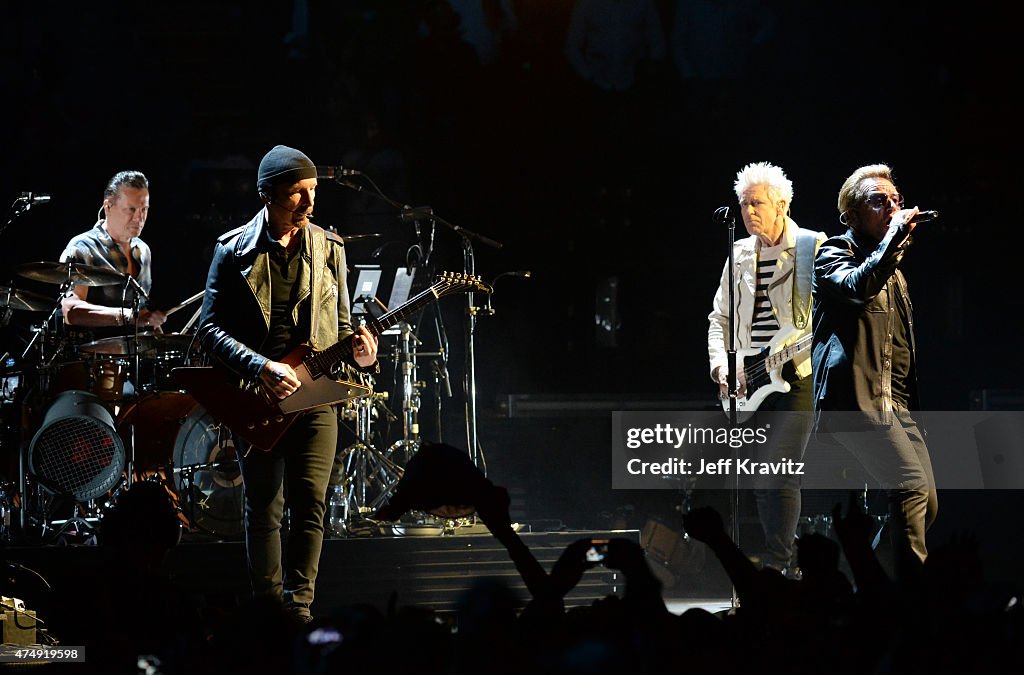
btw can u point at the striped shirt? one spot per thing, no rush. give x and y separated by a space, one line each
764 325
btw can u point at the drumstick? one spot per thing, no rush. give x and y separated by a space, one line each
191 322
186 303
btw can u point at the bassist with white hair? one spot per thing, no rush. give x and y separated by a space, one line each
773 271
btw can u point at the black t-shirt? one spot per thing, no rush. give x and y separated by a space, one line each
285 335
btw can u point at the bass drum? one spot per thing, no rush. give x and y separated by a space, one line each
177 439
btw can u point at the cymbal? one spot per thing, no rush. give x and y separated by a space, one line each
24 300
79 273
347 238
149 344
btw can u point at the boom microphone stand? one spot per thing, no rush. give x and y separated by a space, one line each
469 267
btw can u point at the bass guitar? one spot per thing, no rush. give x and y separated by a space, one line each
763 369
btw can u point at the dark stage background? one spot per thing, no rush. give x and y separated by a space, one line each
606 195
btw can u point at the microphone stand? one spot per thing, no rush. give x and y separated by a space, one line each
20 207
472 439
469 267
722 215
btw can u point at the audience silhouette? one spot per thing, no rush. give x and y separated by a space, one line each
947 619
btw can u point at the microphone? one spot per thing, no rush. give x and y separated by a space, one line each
285 208
333 172
722 215
281 206
36 197
416 213
925 217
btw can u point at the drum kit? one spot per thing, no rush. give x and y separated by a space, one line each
90 418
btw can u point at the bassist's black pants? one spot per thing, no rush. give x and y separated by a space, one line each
778 496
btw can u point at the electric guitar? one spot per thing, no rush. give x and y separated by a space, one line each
259 417
763 369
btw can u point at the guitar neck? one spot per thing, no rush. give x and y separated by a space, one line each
787 353
395 316
322 362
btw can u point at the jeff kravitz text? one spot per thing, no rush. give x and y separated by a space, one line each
720 467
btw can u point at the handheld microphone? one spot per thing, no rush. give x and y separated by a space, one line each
925 217
333 172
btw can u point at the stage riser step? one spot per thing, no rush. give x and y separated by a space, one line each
425 571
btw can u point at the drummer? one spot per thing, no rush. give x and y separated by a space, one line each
113 242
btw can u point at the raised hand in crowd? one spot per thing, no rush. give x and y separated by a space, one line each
569 568
705 525
855 531
642 588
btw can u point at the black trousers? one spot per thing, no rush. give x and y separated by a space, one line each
295 473
778 497
897 457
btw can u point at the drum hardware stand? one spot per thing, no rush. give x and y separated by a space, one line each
41 330
42 384
134 374
364 470
76 525
405 358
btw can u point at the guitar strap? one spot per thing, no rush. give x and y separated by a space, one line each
318 249
803 270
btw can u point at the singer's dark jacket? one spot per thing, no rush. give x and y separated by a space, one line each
857 289
236 308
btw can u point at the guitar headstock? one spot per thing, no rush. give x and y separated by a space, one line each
457 282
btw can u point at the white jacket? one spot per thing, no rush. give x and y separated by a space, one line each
780 292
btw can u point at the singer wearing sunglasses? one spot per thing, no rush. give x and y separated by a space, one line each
863 359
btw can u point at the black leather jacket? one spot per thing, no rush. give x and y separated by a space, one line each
235 320
856 282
